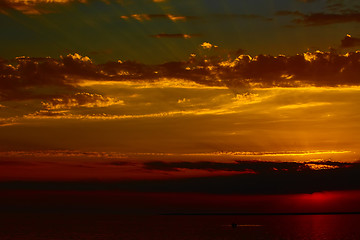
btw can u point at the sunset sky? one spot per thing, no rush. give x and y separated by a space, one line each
233 101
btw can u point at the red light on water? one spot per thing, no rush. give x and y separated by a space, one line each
318 197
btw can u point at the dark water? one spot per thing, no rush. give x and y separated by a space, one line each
109 227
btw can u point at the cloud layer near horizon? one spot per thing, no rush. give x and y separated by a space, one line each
243 177
102 171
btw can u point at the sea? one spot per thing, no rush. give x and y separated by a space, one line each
46 226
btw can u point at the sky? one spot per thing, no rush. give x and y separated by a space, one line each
250 103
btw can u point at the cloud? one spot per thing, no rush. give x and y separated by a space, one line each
117 163
184 100
60 153
275 182
348 41
23 79
307 69
62 77
147 17
245 166
342 6
32 7
84 99
267 181
206 45
321 18
175 35
271 154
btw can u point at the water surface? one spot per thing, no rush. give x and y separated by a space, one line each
109 227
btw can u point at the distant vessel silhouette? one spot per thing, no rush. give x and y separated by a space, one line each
234 225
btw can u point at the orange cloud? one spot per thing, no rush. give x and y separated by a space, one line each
31 7
147 17
348 41
206 45
60 153
88 100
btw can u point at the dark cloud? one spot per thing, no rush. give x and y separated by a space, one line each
21 80
321 18
342 6
344 177
325 19
242 166
117 163
268 180
349 41
316 68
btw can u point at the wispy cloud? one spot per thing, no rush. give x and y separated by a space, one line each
272 154
83 99
321 18
148 17
32 7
